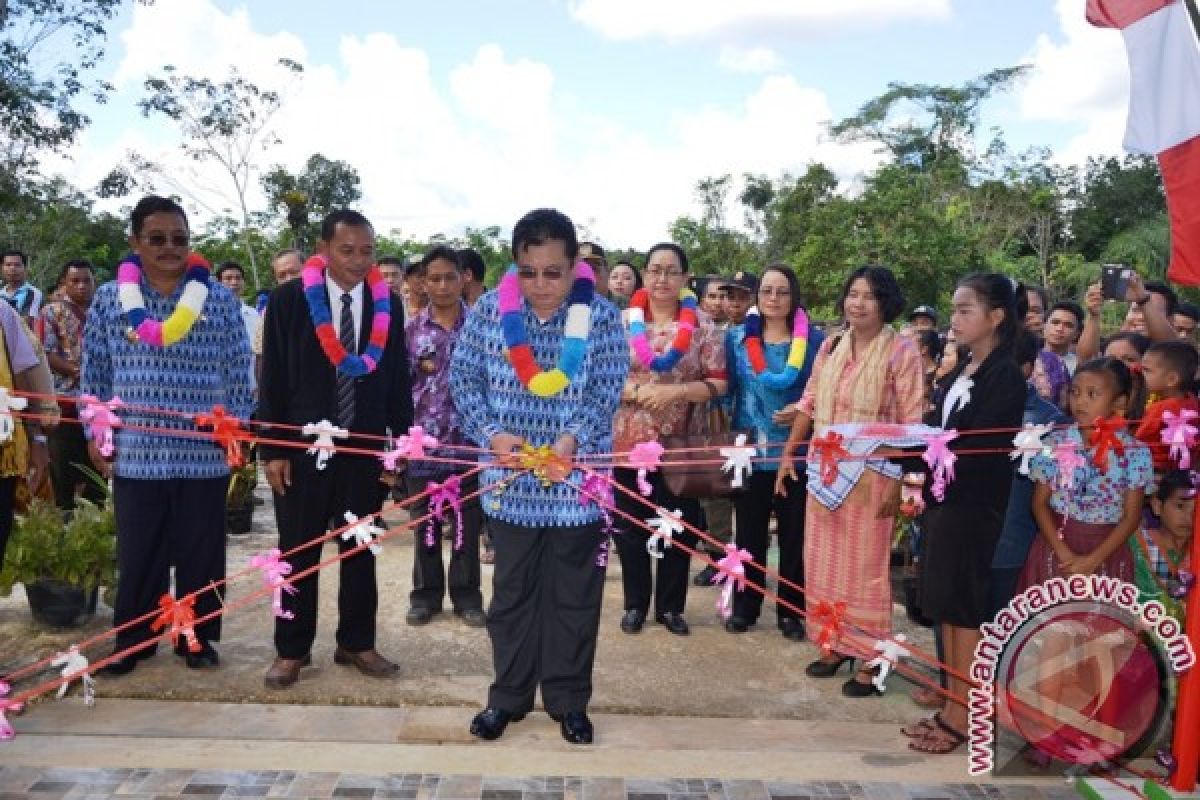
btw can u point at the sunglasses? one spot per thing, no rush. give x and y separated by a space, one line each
161 239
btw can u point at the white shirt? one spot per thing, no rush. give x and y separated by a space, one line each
335 307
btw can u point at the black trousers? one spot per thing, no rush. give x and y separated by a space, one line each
430 578
68 449
8 493
314 504
753 509
544 616
670 592
162 524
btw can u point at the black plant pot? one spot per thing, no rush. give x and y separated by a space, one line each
237 520
59 604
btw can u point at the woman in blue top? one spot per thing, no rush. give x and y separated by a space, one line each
770 358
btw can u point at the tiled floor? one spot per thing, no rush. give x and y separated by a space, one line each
94 784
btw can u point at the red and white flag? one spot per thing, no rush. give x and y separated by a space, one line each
1162 38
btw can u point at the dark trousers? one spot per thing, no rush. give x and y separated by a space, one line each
162 524
8 493
1003 589
69 450
430 578
544 616
753 509
637 578
314 504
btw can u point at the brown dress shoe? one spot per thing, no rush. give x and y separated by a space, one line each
368 662
285 671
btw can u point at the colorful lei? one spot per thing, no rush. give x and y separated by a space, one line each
312 278
141 327
639 307
576 330
795 359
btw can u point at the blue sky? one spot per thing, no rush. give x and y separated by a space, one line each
468 113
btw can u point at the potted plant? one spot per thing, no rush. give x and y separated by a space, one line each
239 500
61 564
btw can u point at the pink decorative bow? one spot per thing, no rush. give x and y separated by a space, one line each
6 728
646 457
940 459
598 491
275 574
441 495
730 573
100 421
178 617
1179 434
413 445
1068 459
602 554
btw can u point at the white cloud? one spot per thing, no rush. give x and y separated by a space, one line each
687 19
1079 77
749 59
504 137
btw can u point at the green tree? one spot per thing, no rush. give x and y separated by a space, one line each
1113 195
305 198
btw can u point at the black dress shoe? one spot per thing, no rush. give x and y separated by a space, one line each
736 624
490 723
204 659
674 621
633 620
856 688
473 617
418 616
704 577
827 669
576 727
792 628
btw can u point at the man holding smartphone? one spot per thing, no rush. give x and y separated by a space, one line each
1150 312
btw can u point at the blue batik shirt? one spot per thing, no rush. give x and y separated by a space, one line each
210 366
753 402
491 399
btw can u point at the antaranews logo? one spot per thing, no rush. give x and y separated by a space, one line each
1077 668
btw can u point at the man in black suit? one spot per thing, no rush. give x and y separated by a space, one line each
300 386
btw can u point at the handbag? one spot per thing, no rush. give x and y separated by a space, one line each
696 471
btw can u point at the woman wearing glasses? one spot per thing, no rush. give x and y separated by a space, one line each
677 358
770 359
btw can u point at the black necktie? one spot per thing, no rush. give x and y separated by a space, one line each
345 383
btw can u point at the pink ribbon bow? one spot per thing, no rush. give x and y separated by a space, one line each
413 445
596 490
1068 458
646 457
100 421
6 728
730 573
178 617
1179 434
940 459
447 493
275 574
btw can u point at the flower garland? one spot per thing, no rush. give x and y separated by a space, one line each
140 326
796 355
312 278
576 330
639 306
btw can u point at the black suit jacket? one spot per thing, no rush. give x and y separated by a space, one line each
299 384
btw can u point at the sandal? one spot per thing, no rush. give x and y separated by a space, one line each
941 740
921 728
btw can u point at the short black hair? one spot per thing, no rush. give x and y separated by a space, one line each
287 251
472 262
1073 308
74 263
18 253
931 342
887 291
390 261
1190 310
1179 356
342 216
412 268
1166 292
1174 480
154 204
443 252
674 248
1139 341
544 225
226 266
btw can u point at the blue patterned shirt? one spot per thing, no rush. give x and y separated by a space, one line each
491 399
754 403
210 366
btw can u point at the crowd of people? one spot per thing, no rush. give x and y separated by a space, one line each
580 358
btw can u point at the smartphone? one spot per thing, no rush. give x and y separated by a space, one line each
1114 281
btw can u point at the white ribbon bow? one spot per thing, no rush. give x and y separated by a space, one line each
890 653
665 525
75 664
737 458
363 532
1028 443
9 404
326 432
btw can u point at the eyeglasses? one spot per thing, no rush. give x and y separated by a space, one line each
656 274
548 275
160 239
772 292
